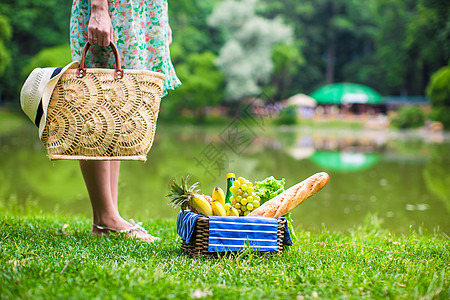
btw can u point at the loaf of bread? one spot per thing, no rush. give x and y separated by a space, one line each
292 197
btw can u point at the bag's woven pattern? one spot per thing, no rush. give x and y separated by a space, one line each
98 117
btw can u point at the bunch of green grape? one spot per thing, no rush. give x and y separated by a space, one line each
244 198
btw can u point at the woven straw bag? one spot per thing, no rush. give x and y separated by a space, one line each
103 114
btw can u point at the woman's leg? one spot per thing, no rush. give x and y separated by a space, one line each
101 178
101 188
115 168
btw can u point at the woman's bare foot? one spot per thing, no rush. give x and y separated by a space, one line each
133 230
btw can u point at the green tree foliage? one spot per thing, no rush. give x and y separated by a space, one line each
245 57
428 40
409 117
408 49
287 59
202 85
188 19
58 56
438 91
389 59
331 34
5 36
36 24
391 45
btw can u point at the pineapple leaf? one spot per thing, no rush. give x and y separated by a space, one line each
180 193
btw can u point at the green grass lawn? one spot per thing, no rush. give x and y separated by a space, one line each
53 256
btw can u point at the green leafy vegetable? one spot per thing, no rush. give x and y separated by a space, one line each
269 188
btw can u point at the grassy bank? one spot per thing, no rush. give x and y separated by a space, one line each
55 257
12 119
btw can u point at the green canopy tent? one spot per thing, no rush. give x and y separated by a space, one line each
344 161
342 93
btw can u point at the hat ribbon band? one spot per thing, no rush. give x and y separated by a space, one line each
39 113
40 109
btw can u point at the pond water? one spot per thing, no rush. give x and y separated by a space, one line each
401 177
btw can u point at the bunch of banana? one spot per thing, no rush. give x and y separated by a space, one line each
188 197
201 205
218 205
218 202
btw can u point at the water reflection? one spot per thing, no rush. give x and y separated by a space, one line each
345 161
339 153
404 179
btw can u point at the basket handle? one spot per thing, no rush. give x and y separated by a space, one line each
81 71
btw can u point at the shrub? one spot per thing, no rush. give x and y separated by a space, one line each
288 116
57 56
438 90
202 85
5 36
409 117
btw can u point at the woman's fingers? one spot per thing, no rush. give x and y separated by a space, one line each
99 37
94 40
100 30
91 37
110 36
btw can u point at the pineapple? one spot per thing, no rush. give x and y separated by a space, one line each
184 196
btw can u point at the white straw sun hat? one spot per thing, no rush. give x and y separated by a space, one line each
37 91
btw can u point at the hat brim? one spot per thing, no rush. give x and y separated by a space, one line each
48 91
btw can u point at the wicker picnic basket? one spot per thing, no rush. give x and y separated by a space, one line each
103 114
198 244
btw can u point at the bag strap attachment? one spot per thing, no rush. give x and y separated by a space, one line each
118 73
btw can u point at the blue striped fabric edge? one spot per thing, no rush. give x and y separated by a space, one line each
235 234
186 224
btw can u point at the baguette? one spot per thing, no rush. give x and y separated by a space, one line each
292 197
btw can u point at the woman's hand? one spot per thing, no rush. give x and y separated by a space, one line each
100 29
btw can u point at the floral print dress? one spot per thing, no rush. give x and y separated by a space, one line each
140 34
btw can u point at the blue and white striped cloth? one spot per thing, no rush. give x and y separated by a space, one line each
235 233
186 224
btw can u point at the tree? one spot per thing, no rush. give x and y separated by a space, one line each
58 56
245 58
202 85
5 36
427 41
5 54
188 19
36 24
410 44
329 34
286 59
438 91
391 45
390 56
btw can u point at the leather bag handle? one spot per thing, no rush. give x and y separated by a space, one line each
81 71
